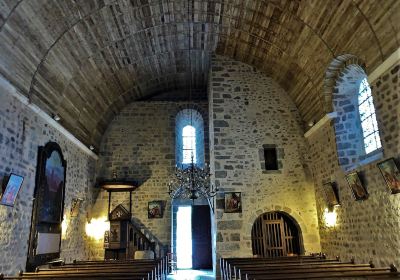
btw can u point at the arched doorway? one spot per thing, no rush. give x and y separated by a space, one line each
276 234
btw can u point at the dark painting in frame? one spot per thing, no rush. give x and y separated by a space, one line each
11 190
155 209
358 190
390 172
233 202
51 184
48 205
331 194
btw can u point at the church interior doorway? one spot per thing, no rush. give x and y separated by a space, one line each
192 237
276 234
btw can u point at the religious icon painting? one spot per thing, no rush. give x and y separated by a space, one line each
357 188
331 194
155 209
233 202
75 206
11 190
391 174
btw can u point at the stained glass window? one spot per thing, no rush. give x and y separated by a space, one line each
189 144
369 125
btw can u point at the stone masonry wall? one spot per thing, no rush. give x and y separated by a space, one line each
140 144
247 111
21 133
365 229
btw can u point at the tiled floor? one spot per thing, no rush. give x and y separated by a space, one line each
192 275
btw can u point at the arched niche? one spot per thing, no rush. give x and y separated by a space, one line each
276 234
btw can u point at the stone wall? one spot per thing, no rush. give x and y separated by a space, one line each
140 144
21 133
247 111
365 229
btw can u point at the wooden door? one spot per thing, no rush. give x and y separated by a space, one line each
275 235
274 238
201 237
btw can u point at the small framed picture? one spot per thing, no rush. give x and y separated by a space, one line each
357 188
331 194
391 174
75 206
11 190
155 209
233 202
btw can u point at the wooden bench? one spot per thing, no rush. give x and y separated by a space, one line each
108 270
227 265
301 268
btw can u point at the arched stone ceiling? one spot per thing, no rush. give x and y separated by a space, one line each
86 59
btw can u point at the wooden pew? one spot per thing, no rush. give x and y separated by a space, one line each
227 264
108 270
291 268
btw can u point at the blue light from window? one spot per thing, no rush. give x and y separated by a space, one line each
189 144
369 125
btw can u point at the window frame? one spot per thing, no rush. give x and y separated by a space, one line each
367 118
192 144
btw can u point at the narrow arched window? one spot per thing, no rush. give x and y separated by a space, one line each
356 128
369 125
189 144
189 138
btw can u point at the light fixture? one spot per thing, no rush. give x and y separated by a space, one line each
191 181
96 227
91 147
330 217
56 118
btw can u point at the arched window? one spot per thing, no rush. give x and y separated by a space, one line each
356 127
189 144
189 138
366 108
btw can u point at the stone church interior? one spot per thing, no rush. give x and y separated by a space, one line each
150 139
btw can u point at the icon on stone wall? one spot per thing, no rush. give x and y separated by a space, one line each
155 209
358 190
233 202
331 194
391 174
75 206
11 190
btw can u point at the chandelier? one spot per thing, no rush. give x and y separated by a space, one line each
191 182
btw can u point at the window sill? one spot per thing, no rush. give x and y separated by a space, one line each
367 159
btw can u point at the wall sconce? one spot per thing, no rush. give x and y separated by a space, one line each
330 217
96 227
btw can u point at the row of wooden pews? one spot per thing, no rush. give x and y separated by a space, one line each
107 270
301 267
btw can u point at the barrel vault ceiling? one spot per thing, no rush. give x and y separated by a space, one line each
85 59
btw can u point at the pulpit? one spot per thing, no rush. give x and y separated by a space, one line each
119 241
123 239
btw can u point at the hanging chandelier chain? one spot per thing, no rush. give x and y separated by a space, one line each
190 59
191 181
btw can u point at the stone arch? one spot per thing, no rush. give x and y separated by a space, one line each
292 222
342 82
334 73
278 208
